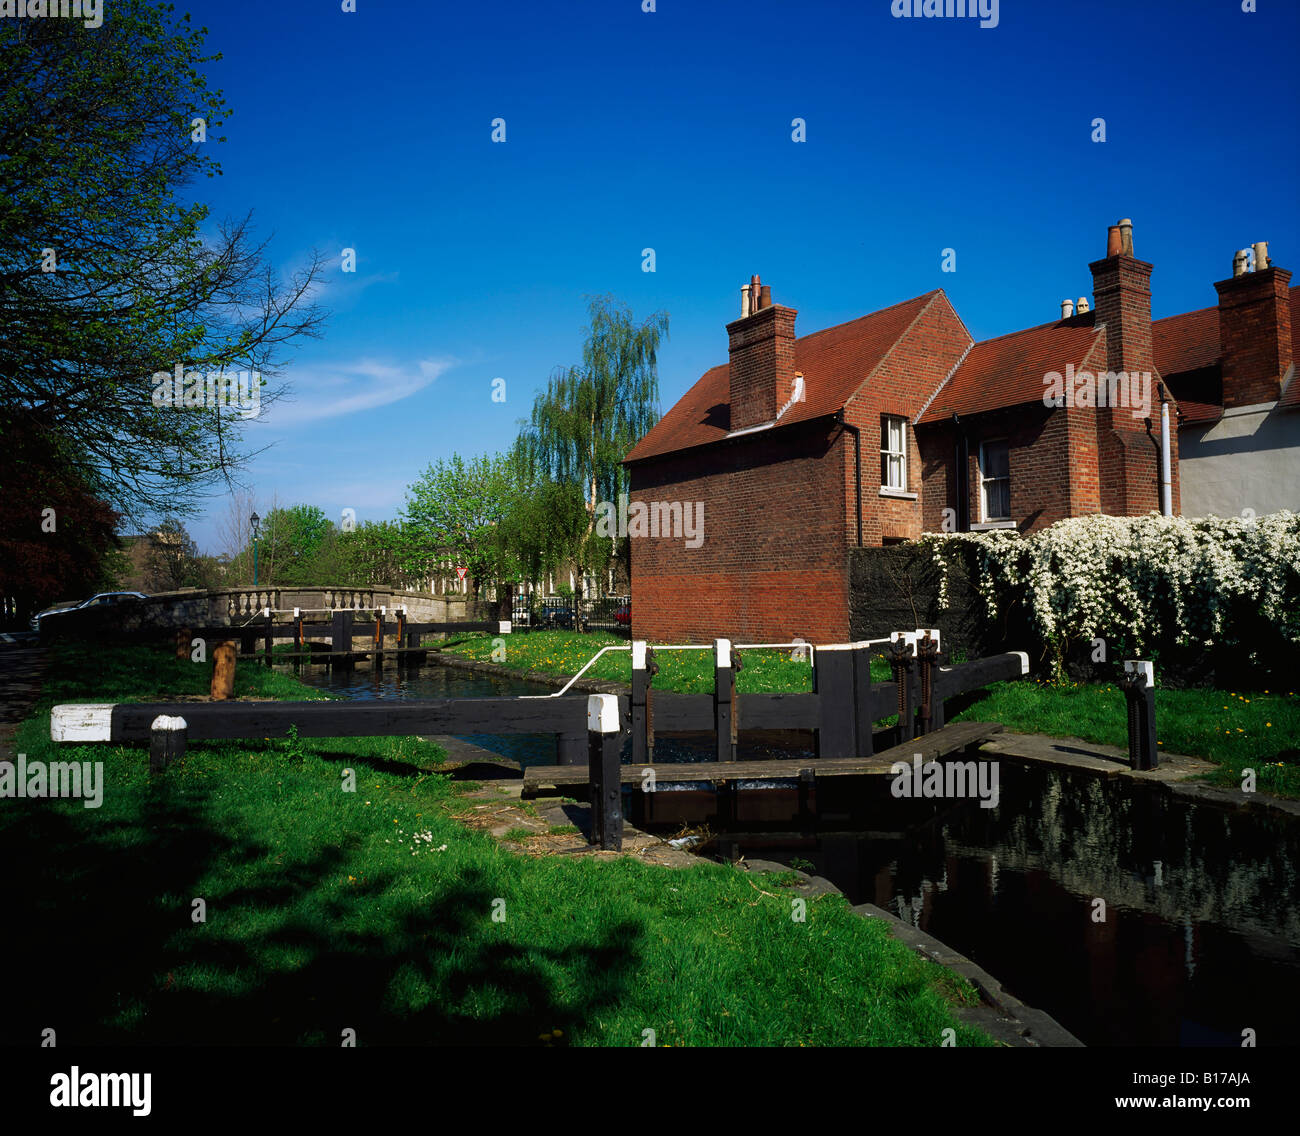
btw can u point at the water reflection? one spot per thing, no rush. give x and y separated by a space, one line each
1199 936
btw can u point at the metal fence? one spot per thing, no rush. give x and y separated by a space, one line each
561 613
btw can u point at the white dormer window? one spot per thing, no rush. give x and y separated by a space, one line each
893 453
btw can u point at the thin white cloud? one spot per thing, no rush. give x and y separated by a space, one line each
332 390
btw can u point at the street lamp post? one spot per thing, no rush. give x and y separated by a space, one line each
255 521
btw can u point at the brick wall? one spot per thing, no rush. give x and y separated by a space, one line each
903 382
772 564
761 368
1255 335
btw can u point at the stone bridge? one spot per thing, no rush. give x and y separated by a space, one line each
234 607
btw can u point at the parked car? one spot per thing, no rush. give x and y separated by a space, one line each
623 614
102 600
559 618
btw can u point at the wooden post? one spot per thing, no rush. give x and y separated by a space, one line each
166 741
570 748
603 743
379 640
223 670
862 700
724 695
402 659
833 683
1138 685
183 637
269 624
341 639
644 668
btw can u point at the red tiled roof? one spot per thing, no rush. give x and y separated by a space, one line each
835 362
1186 342
1198 413
1009 370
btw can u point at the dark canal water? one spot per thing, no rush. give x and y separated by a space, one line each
1201 937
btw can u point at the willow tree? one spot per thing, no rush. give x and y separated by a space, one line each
589 416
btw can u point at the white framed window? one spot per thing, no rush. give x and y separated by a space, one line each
893 453
995 481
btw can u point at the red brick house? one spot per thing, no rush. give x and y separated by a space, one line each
877 430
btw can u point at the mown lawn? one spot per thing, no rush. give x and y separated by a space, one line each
1239 730
377 911
687 672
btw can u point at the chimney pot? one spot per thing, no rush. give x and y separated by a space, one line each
1126 236
1261 255
744 301
1239 262
1114 243
765 297
1082 305
1067 309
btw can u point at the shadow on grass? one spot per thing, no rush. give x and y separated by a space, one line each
98 919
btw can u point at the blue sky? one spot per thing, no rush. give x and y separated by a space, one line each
671 130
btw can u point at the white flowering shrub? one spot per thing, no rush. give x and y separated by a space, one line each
1144 582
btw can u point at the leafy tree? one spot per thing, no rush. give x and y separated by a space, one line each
454 511
57 537
546 521
296 546
107 277
172 560
589 416
379 554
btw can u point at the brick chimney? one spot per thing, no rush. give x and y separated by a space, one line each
1121 292
762 359
761 348
1255 332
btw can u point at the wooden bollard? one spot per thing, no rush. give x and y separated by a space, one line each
183 637
724 700
1137 681
644 668
166 741
604 771
223 670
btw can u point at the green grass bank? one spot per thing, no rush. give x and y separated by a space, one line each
377 911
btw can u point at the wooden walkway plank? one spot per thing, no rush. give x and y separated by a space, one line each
949 739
